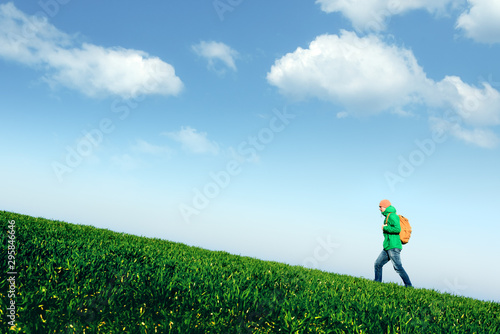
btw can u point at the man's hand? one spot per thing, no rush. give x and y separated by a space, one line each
383 226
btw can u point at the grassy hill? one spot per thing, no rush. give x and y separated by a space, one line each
80 279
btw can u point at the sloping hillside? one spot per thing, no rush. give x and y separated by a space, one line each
69 278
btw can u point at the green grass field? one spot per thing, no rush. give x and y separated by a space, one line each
80 279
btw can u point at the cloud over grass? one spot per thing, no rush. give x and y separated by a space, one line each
366 75
342 68
94 70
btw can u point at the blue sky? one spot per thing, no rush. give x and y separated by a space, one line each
265 129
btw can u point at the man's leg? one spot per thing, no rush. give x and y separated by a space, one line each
382 259
394 254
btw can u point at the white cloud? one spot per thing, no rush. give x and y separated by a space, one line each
469 112
142 146
342 68
91 69
482 21
194 141
372 15
477 136
366 76
474 106
216 51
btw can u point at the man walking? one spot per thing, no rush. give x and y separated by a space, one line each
392 244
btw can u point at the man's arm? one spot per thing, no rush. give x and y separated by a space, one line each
392 225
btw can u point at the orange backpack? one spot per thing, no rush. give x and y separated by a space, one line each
405 233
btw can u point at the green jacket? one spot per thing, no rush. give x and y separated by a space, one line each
391 229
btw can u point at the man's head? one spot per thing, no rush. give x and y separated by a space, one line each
384 204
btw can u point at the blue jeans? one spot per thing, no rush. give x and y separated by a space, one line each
394 256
